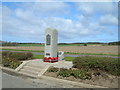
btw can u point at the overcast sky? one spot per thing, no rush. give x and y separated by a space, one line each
75 21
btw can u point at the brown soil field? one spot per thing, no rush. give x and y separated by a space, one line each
75 49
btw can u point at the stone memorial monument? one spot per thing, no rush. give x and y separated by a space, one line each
51 50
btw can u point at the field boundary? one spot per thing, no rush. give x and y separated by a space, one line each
66 52
84 85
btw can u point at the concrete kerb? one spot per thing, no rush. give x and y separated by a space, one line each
21 65
83 85
8 69
40 75
44 70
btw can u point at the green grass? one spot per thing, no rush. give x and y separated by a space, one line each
90 54
69 58
77 44
38 56
71 45
22 50
38 45
42 56
35 45
66 52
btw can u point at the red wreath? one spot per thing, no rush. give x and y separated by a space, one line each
53 59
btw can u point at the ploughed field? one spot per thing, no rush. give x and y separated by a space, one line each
75 49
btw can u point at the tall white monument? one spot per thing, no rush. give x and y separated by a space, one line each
51 50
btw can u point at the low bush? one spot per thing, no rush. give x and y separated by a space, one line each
64 72
53 69
8 62
29 55
17 56
85 44
6 53
107 64
12 59
81 74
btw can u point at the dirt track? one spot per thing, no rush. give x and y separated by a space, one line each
76 49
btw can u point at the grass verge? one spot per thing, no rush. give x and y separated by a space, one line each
69 58
22 50
42 56
29 45
91 54
67 52
38 56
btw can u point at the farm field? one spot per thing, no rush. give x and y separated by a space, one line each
34 45
75 49
39 45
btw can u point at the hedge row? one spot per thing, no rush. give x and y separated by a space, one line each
17 56
81 74
11 63
13 59
107 64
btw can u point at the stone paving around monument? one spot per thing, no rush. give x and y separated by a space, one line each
36 67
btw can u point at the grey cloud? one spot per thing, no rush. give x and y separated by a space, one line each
109 20
26 24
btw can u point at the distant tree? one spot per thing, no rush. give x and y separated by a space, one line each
85 44
114 43
9 43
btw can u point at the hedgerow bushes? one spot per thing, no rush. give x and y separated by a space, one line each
110 65
11 63
80 74
53 69
87 67
17 56
13 59
65 72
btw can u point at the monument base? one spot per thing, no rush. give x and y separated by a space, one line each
50 59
